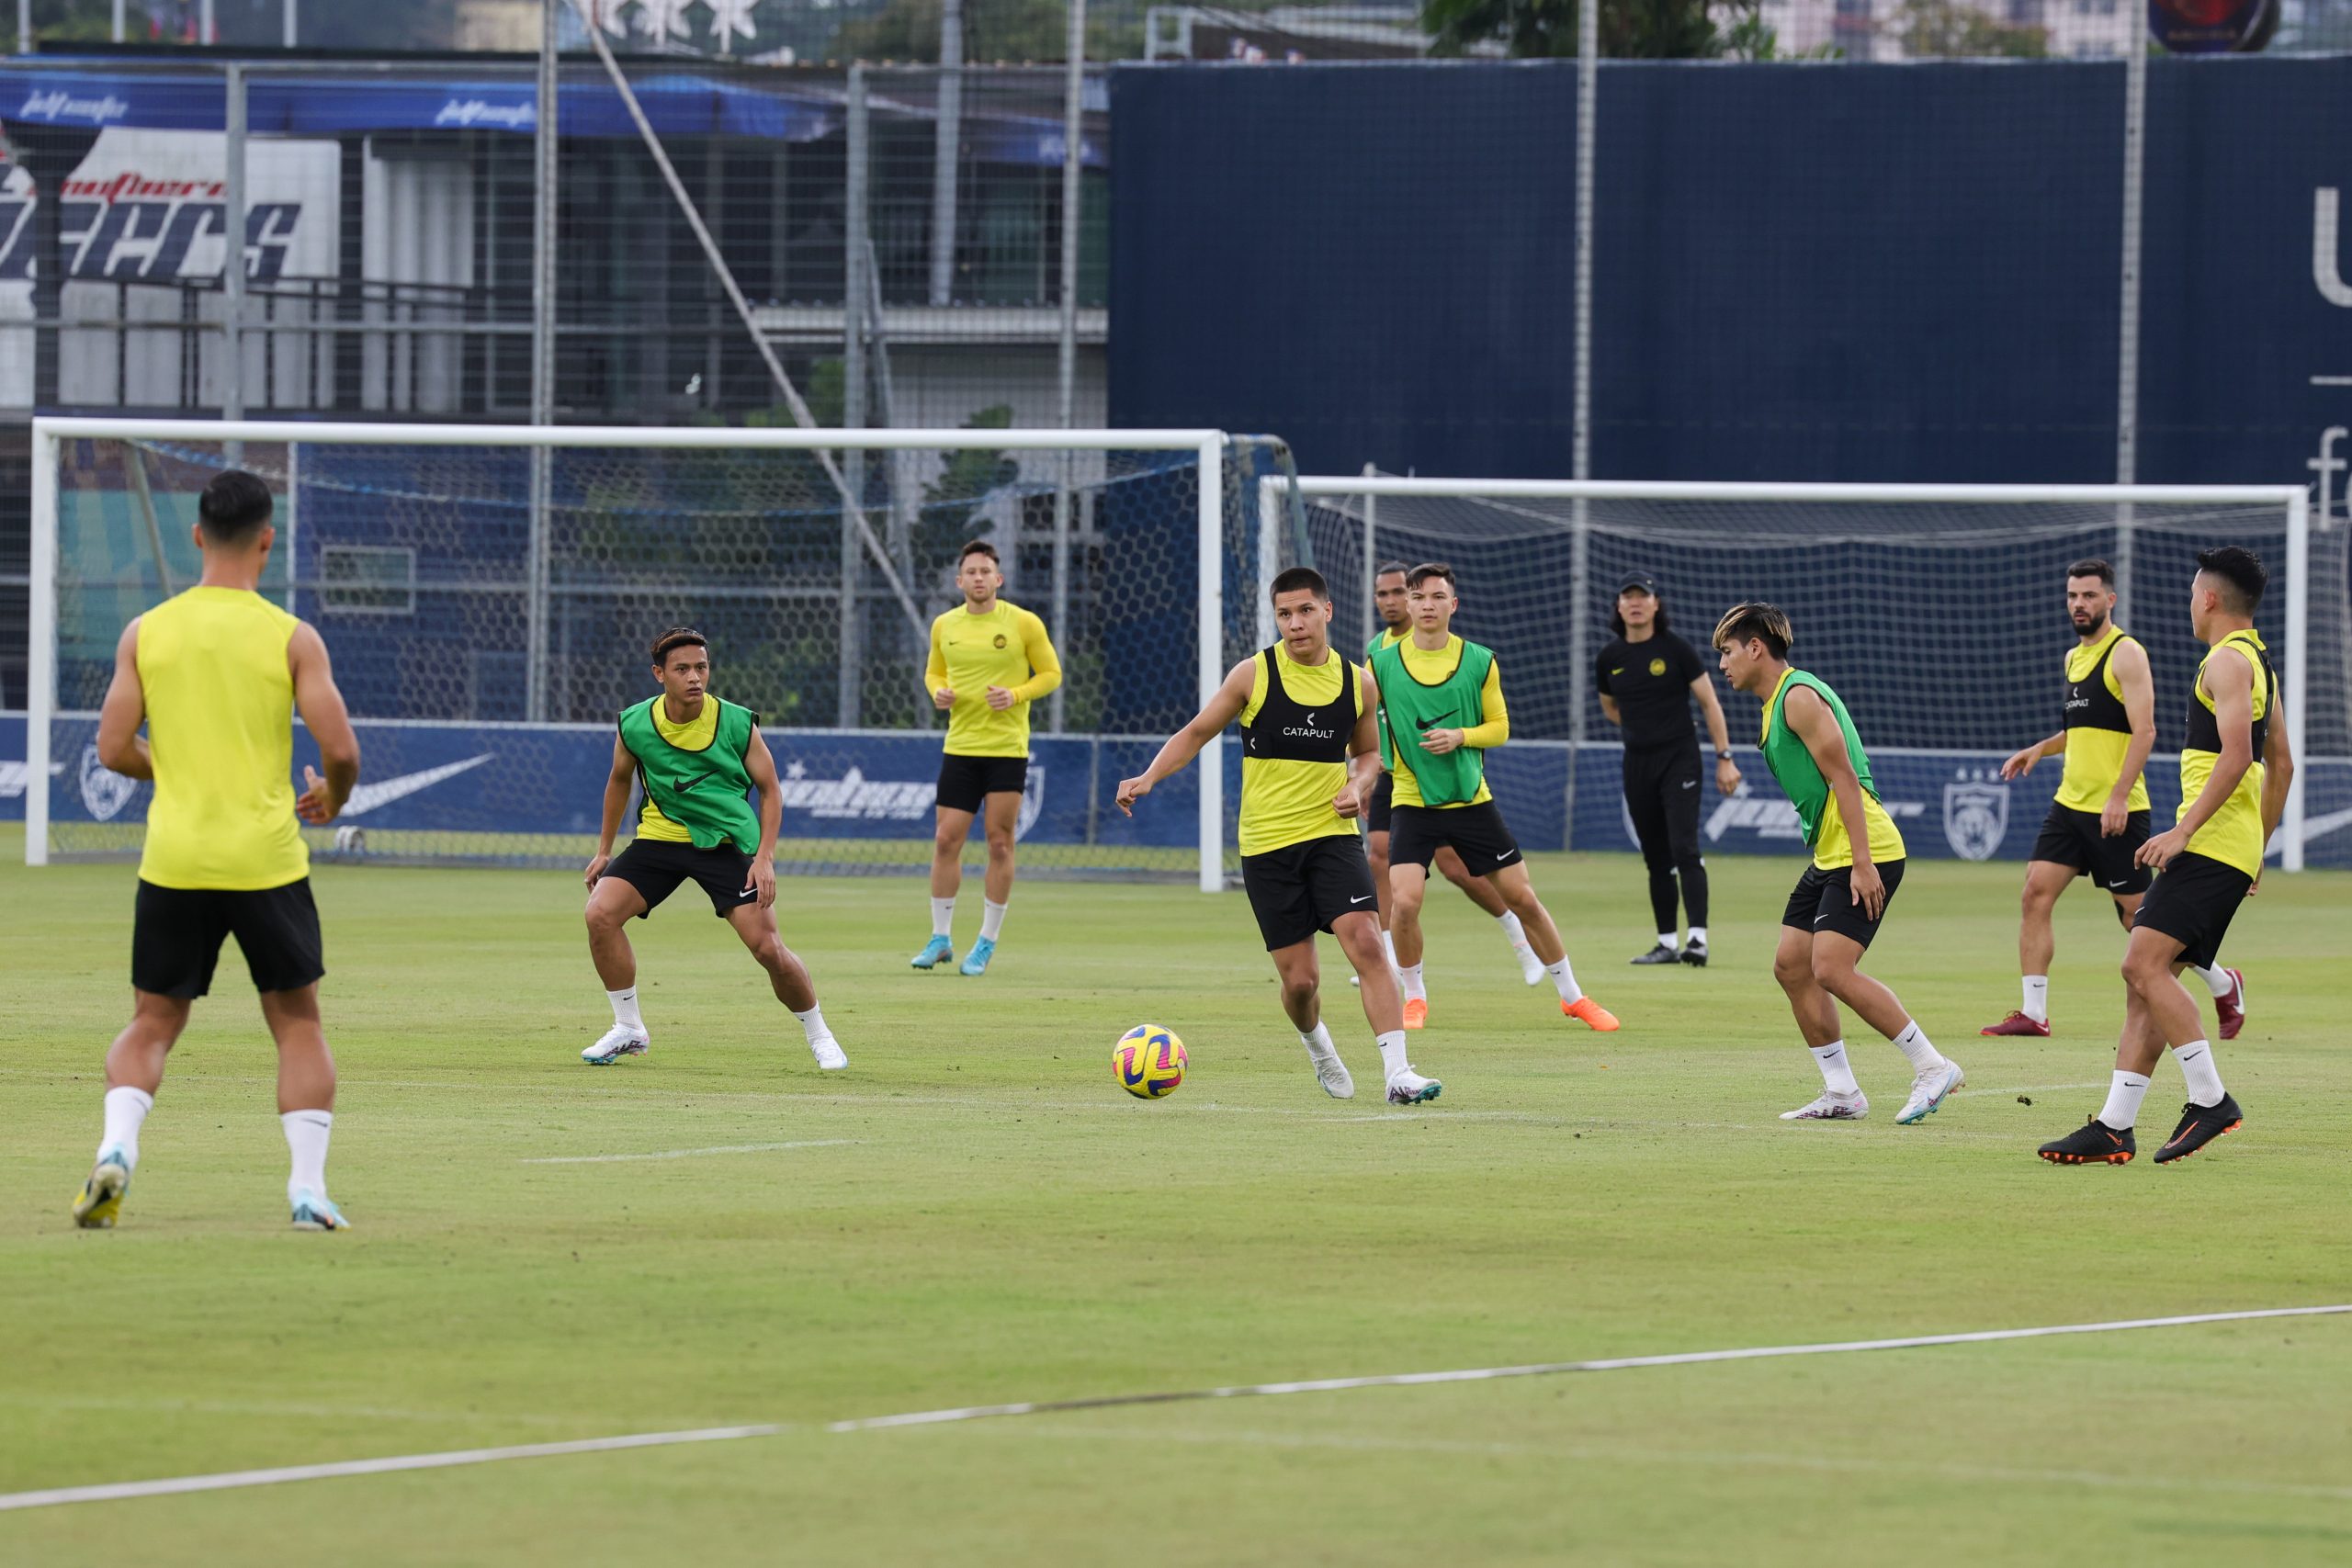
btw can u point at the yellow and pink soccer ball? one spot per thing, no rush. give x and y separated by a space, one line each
1149 1061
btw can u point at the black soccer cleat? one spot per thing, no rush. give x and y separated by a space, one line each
1661 953
2199 1125
1694 953
2092 1142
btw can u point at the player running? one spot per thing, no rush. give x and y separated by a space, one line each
1646 677
1388 593
2100 819
1444 699
990 659
2235 772
217 673
1811 746
696 759
1310 749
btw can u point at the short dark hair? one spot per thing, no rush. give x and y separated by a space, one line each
2242 570
1428 570
1387 566
1767 623
975 548
2092 566
677 638
233 507
1290 580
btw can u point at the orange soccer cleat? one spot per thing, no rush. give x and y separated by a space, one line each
1598 1017
1417 1013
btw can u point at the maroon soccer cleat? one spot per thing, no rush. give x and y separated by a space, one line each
2231 1008
2017 1024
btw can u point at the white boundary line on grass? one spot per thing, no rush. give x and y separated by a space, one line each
690 1154
232 1480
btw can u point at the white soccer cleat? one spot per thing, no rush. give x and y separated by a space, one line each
1408 1088
1831 1108
1530 968
1929 1090
1332 1074
828 1053
620 1041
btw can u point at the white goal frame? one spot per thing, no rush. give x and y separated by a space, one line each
49 432
2292 500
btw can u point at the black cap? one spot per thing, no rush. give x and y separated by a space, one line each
1641 580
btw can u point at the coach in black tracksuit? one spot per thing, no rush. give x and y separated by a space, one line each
1646 677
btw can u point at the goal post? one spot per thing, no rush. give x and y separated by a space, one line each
1932 607
477 630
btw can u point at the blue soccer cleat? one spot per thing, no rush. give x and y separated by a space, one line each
316 1212
935 951
976 961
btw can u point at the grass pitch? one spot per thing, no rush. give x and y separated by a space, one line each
974 1212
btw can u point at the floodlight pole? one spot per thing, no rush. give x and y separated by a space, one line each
1073 150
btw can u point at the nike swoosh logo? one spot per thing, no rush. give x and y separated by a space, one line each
1366 899
1619 670
1818 919
692 782
1504 856
366 797
1690 783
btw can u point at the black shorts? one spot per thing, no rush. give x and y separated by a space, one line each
1376 817
966 782
2071 837
1477 833
655 867
175 936
1300 889
1823 901
2192 903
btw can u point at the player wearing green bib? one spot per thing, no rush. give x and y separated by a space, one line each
1817 756
694 758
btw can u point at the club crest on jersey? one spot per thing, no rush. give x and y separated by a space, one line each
104 791
1657 666
1976 815
999 642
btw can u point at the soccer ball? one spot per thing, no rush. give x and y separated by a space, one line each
1149 1061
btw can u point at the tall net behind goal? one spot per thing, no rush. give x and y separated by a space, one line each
1939 613
489 612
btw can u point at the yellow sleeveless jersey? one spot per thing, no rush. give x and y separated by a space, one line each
2098 730
694 735
1285 801
219 704
2234 834
1008 647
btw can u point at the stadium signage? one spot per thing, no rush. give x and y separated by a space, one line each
469 112
57 105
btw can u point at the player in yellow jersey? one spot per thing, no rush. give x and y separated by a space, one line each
1444 701
1309 751
990 661
2235 769
216 674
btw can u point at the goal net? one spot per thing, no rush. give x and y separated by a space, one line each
1937 611
489 595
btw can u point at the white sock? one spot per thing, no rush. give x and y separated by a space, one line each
1318 1043
1913 1042
1410 974
126 1109
1836 1073
1698 936
1392 1055
1388 945
942 917
2217 979
1565 978
1513 932
2037 1002
1666 939
992 918
624 1011
2123 1097
2197 1066
306 1136
812 1024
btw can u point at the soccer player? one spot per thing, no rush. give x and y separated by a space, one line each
2235 772
2100 819
1309 750
1811 746
1389 594
696 759
990 661
1444 701
1647 677
216 673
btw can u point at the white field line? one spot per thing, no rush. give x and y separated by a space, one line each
691 1154
230 1480
2022 1088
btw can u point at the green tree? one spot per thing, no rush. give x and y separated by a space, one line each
1630 29
1947 30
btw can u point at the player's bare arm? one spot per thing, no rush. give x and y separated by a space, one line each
120 746
760 762
2020 764
2131 665
1364 751
1817 728
1186 743
2229 683
2277 774
1710 708
616 786
1610 711
320 704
